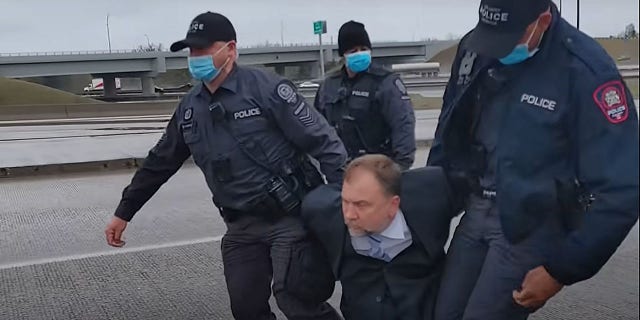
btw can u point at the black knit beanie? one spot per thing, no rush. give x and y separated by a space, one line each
352 34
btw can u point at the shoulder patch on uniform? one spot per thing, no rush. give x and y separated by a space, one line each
612 99
304 114
400 86
188 114
286 91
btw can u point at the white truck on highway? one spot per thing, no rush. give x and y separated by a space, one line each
97 84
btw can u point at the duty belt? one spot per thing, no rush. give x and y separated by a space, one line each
266 209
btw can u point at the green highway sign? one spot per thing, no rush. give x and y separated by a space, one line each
320 27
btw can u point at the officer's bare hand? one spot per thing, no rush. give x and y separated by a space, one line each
538 287
114 231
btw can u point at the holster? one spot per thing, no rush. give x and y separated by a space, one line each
574 201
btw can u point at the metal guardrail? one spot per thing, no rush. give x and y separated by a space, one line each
627 72
63 53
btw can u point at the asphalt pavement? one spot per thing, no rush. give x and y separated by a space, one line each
54 263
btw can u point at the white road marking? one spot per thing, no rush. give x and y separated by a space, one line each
112 252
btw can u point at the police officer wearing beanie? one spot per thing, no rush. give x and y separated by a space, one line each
367 105
250 133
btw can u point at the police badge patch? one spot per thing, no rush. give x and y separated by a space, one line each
612 100
285 90
188 114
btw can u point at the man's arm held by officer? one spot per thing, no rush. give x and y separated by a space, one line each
307 129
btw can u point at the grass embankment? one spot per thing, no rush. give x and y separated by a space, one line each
425 103
17 92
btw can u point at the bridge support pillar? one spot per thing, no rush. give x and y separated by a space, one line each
148 86
109 82
315 70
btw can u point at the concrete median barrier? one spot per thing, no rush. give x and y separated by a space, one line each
111 165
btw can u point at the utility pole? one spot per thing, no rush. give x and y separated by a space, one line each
282 32
148 42
108 33
320 27
321 56
578 14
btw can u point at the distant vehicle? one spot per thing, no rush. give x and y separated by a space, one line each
97 84
185 86
181 88
623 58
308 84
422 69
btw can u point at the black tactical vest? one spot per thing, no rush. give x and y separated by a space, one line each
352 106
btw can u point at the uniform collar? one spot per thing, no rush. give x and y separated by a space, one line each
345 75
230 83
359 75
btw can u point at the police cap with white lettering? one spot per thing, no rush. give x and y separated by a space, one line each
204 30
501 25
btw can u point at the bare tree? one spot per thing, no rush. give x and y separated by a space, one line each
150 47
630 31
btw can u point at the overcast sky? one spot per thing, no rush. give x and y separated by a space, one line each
75 25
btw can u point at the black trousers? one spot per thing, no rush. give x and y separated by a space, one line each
483 267
258 252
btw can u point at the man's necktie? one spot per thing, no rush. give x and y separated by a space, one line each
376 250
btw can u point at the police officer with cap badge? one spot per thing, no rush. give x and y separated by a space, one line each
251 134
367 104
539 136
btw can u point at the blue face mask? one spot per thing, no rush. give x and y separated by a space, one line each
202 67
358 61
520 52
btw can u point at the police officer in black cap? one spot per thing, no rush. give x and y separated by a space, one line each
367 104
539 135
250 133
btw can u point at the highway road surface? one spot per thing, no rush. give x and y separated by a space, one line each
54 263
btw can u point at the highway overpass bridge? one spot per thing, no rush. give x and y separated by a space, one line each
147 65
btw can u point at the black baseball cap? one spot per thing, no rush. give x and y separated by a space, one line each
204 30
501 25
